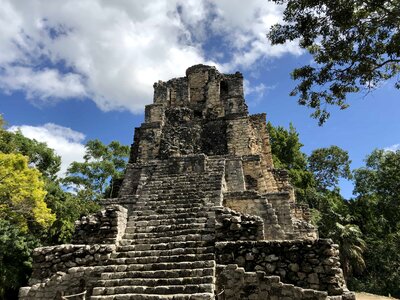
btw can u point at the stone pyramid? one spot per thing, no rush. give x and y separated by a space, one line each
200 214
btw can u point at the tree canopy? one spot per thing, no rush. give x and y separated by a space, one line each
15 259
102 164
355 45
376 210
39 155
379 181
287 154
22 193
328 165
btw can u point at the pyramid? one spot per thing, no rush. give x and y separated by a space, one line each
200 214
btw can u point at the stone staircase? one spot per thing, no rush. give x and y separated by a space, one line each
168 248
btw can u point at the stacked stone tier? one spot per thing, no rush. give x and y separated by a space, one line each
167 251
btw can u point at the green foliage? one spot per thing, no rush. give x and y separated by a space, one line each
351 247
40 156
355 45
22 193
376 211
35 209
285 147
102 162
68 208
287 154
15 258
380 179
328 165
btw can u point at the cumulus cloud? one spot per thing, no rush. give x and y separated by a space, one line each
393 148
43 84
113 51
66 142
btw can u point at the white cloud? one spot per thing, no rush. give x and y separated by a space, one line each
256 92
43 84
66 142
113 51
393 148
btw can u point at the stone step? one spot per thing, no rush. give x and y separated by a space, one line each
169 233
166 211
155 205
158 253
184 215
175 199
171 191
177 238
162 290
160 266
169 222
167 190
161 259
173 186
161 175
154 282
165 228
173 273
164 246
172 201
196 296
184 184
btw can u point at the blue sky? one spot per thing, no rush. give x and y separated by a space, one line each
78 70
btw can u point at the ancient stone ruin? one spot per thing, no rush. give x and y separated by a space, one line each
201 213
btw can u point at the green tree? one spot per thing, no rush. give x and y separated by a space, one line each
380 180
102 163
355 45
287 154
15 258
329 165
39 155
351 247
376 211
68 208
22 193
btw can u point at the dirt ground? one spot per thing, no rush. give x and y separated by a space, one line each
366 296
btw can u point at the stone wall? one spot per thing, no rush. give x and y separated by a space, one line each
233 226
307 264
104 227
252 203
181 135
233 283
75 280
234 176
47 261
261 138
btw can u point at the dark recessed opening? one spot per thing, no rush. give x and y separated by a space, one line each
224 89
198 114
251 183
